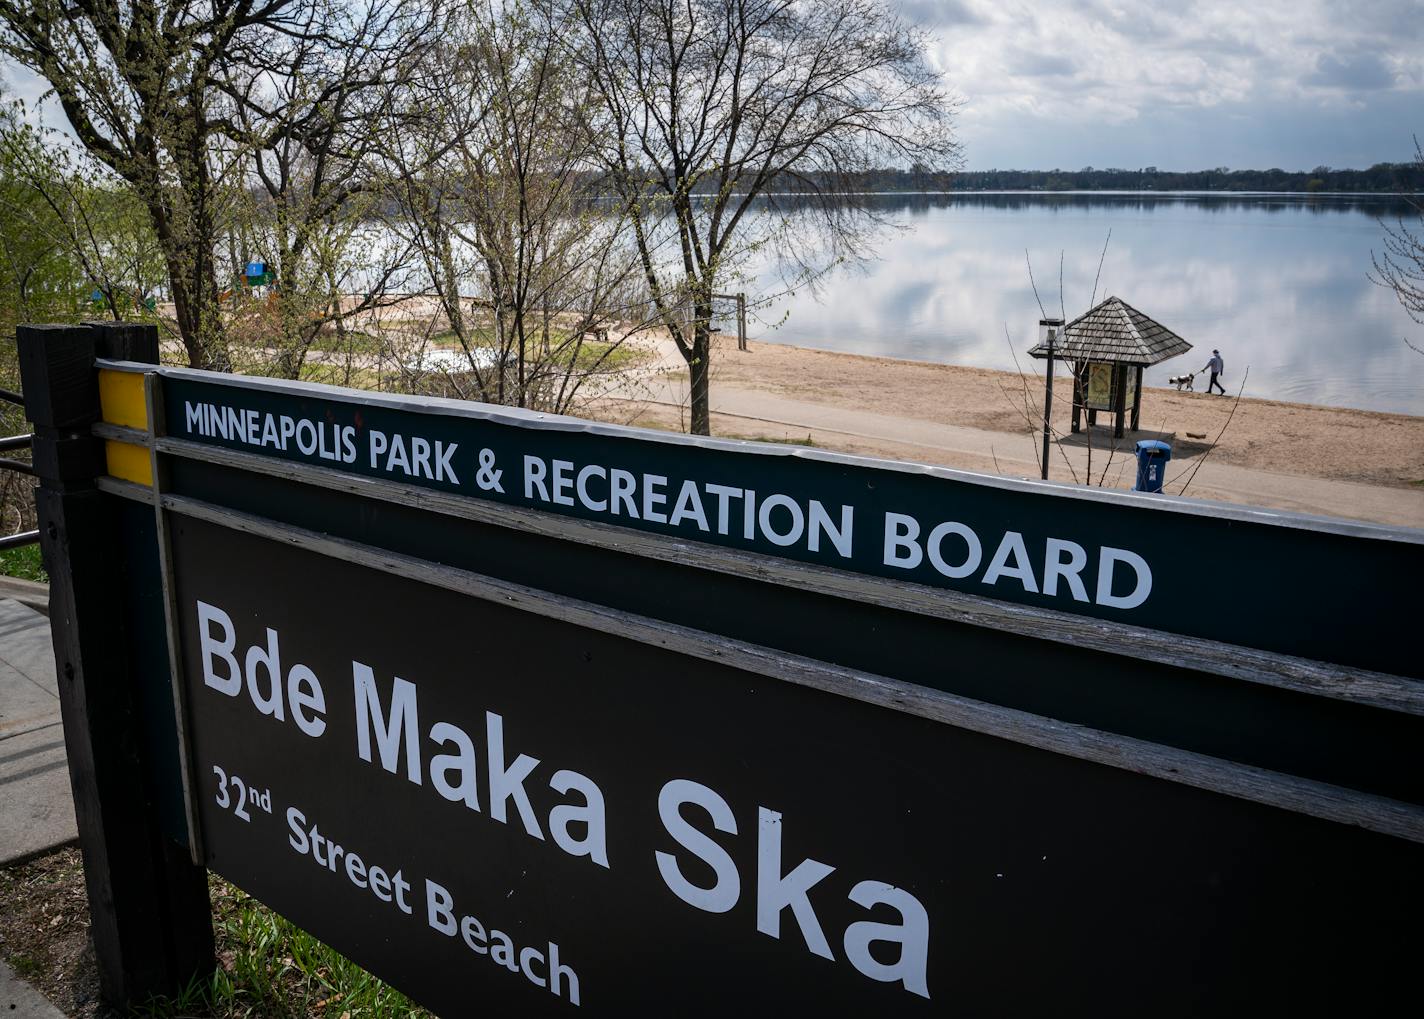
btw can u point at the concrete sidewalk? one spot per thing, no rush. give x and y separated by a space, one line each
36 807
26 592
21 1001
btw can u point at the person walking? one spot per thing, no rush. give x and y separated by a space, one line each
1217 367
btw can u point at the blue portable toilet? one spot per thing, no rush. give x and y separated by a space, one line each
1152 457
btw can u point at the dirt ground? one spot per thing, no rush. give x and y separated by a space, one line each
44 931
1324 442
1297 457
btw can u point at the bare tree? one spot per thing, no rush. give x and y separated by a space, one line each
1400 267
309 112
147 91
136 82
529 271
703 107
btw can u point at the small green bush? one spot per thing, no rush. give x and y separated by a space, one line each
23 562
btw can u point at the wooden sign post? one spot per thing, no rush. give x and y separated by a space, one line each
149 912
529 714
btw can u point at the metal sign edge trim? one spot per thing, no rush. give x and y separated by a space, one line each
520 418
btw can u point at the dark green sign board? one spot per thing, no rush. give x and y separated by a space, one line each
1275 582
509 813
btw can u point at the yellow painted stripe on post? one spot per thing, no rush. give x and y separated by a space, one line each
121 398
122 402
129 462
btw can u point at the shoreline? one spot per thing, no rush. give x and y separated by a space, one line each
1031 363
1332 461
1060 379
1139 192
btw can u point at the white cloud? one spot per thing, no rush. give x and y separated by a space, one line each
1079 69
21 83
1186 84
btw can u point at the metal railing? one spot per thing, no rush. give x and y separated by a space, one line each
18 540
16 442
10 442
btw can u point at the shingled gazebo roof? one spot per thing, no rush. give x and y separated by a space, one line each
1116 332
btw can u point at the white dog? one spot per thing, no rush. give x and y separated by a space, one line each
1183 382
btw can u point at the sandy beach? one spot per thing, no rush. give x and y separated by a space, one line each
1298 457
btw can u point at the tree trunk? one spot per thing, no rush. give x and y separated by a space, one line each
700 373
501 333
520 338
1079 397
450 283
186 314
193 280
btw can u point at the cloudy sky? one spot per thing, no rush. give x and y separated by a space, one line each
1178 84
1185 84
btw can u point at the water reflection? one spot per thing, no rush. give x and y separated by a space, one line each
1278 282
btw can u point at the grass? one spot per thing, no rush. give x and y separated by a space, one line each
23 562
26 968
478 337
594 355
336 375
361 377
271 967
808 441
268 968
590 355
355 342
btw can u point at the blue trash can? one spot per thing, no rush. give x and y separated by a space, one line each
1152 457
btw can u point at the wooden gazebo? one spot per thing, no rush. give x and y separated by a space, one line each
1106 350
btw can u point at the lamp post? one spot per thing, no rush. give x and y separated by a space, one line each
1050 329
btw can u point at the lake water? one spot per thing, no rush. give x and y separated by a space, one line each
1277 282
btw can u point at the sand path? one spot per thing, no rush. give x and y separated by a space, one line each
1296 457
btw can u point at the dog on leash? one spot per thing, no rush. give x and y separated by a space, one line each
1183 382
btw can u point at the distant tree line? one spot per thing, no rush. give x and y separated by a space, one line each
1382 177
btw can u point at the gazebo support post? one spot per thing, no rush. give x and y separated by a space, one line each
1137 401
1047 409
1119 398
1077 394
